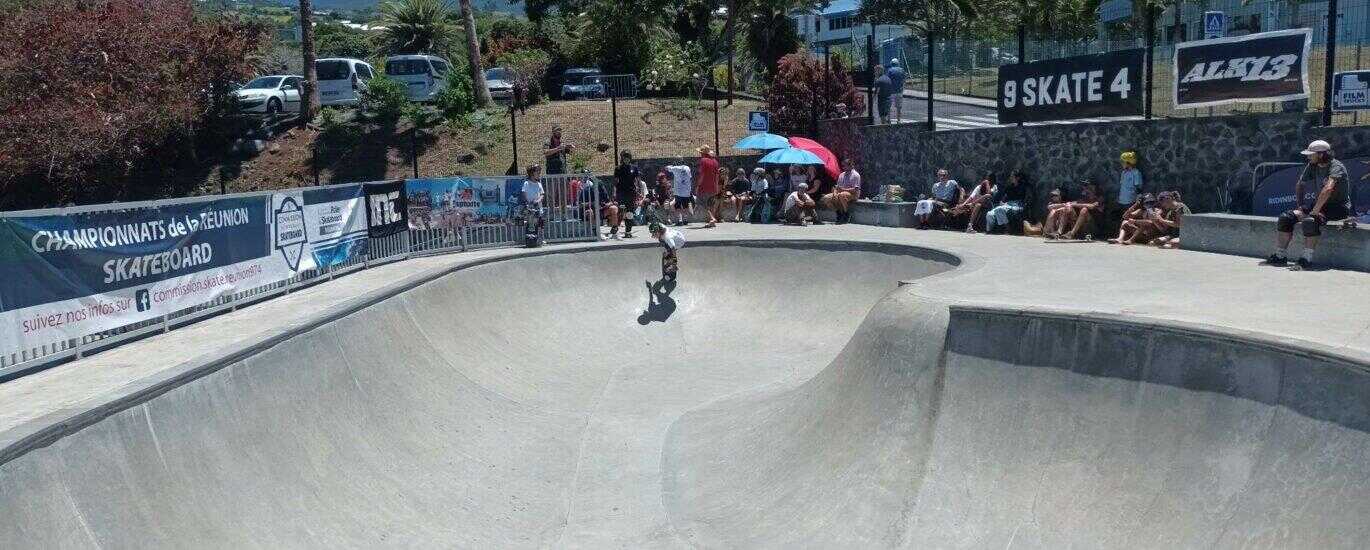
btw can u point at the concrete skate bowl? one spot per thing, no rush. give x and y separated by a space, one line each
782 395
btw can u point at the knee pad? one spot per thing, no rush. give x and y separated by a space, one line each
1285 223
1312 226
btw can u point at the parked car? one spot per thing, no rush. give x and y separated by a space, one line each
581 83
423 75
271 95
500 81
342 80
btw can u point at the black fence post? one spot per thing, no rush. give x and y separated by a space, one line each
714 85
414 150
932 123
613 108
1328 78
1150 55
870 72
514 131
314 162
1022 52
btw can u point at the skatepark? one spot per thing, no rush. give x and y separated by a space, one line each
822 387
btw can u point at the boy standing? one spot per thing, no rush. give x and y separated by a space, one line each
673 241
684 192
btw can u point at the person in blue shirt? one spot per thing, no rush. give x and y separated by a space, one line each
897 76
1129 188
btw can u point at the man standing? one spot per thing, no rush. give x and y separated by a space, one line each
683 191
1332 202
627 183
555 152
884 87
708 188
897 76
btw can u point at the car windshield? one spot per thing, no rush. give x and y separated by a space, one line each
332 70
499 73
263 83
404 67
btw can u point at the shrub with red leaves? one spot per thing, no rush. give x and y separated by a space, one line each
92 90
802 88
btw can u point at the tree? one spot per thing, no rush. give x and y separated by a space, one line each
482 92
804 89
309 97
334 40
417 26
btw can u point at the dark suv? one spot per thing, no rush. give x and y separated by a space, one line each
581 83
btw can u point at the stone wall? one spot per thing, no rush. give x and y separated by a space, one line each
1200 157
650 166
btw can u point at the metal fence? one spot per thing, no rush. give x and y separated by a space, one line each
572 214
966 67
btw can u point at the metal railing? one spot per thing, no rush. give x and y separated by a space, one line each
573 214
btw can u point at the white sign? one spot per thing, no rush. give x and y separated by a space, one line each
758 121
1215 24
1351 91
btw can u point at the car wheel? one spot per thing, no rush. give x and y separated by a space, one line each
273 107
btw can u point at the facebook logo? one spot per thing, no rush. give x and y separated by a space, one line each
143 300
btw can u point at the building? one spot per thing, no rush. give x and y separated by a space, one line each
837 25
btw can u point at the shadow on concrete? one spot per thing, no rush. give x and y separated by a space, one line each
660 305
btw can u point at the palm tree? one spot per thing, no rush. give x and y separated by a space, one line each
309 97
478 86
416 26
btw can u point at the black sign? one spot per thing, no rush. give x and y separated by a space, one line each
1108 84
386 211
1270 66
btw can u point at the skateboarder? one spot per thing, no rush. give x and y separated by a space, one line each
673 241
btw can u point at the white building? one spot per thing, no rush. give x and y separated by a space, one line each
836 25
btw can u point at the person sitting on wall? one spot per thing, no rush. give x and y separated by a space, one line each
970 211
946 193
1010 205
846 191
1332 202
739 193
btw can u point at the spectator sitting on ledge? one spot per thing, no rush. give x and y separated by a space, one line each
845 192
1332 202
1010 204
946 193
969 209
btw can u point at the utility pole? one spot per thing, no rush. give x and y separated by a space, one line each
1150 54
1331 68
1022 50
932 123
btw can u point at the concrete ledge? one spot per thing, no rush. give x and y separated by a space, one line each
1254 236
885 214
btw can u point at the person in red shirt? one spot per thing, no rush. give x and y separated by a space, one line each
706 186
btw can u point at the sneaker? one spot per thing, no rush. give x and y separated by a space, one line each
1301 265
1275 260
628 235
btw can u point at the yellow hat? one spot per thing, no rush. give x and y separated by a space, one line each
1128 157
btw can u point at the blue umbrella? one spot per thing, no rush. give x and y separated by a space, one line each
762 141
791 155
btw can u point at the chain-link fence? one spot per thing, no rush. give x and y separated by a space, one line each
969 68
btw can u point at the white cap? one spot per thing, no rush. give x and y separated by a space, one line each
1318 146
894 61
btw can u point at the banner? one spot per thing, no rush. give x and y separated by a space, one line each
386 211
320 227
1264 67
67 275
1275 192
449 203
1351 91
1103 85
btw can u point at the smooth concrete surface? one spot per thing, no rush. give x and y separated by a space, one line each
1254 236
884 214
786 394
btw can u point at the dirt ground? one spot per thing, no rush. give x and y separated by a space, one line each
647 127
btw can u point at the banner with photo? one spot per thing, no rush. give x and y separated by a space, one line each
448 203
319 227
67 275
1102 85
1263 67
386 212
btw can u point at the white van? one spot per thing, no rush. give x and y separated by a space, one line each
341 80
423 75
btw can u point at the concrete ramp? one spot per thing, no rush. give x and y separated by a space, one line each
782 395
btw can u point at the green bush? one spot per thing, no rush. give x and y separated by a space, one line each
530 64
384 99
456 98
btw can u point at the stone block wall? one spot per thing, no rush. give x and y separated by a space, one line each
1200 157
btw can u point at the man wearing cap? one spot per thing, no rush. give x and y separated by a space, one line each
799 207
707 187
1330 202
884 88
897 76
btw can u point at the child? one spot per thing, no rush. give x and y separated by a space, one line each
673 241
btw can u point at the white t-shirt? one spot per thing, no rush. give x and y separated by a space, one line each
791 200
532 191
673 239
682 183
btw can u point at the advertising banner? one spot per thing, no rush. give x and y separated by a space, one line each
386 211
1263 67
1103 85
68 275
448 203
320 227
1351 91
1275 192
